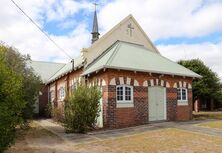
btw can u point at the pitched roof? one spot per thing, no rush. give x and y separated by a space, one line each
134 57
117 26
95 24
78 62
119 32
45 69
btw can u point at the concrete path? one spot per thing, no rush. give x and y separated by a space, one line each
58 130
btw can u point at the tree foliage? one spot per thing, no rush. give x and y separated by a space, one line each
209 85
30 83
82 109
11 103
18 88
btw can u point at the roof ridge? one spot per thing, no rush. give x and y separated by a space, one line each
102 54
113 54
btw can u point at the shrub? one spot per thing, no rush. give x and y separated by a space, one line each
11 104
48 110
82 109
58 114
18 90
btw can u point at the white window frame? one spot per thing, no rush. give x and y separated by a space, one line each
124 102
182 101
61 93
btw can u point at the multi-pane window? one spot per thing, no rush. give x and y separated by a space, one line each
182 94
127 93
124 93
62 92
119 91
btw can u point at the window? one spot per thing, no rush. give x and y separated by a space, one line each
124 93
51 95
61 93
182 94
119 93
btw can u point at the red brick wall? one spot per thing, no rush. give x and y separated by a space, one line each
122 117
43 100
185 112
114 117
66 81
171 96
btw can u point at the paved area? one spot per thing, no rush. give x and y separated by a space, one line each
109 134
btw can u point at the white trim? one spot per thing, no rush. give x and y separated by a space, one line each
121 80
113 82
151 83
100 117
136 83
165 105
175 85
162 83
128 80
180 84
124 102
184 84
189 86
181 101
103 82
145 84
167 85
157 81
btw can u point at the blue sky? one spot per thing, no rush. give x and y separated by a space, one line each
179 28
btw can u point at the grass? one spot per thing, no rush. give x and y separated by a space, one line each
207 115
166 140
214 124
171 140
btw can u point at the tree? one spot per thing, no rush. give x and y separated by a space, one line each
30 82
82 109
208 87
11 103
19 88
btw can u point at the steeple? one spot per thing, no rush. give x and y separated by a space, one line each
95 30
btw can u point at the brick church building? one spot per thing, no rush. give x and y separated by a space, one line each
138 84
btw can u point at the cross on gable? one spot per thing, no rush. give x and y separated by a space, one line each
130 28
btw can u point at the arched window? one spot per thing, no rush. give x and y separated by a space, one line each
51 95
62 93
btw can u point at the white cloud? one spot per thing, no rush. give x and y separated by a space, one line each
209 53
62 9
160 19
168 18
18 31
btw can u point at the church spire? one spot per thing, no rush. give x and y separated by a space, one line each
95 30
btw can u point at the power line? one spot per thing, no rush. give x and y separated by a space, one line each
61 49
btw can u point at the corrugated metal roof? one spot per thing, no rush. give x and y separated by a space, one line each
128 56
78 62
45 69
